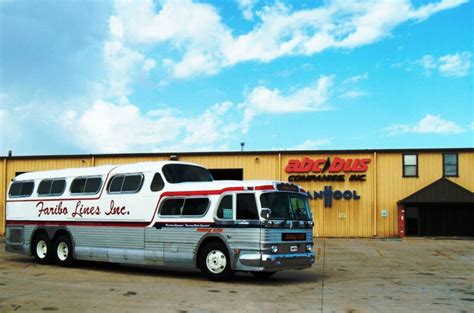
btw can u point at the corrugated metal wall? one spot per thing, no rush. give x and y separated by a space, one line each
382 189
392 187
346 218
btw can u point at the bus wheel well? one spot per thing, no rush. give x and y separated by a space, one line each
61 232
204 243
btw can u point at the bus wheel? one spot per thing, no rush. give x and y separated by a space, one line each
63 251
42 249
215 262
263 274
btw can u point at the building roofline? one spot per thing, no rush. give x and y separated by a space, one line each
217 153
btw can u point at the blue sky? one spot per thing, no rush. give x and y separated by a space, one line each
162 76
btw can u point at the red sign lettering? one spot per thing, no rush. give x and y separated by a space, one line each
336 165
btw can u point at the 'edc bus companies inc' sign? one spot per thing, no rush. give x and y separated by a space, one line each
327 170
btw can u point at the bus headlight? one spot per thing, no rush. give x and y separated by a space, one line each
309 247
274 248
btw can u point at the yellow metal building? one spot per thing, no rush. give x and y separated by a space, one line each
356 193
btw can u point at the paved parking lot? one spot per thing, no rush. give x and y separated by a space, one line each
352 275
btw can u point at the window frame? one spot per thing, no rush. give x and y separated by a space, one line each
184 203
20 195
86 178
51 187
403 165
444 164
142 179
234 209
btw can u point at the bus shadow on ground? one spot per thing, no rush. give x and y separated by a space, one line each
280 278
284 277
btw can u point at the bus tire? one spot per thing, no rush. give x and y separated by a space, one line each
43 249
63 251
263 274
214 262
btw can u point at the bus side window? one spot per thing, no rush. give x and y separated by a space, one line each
246 207
225 211
172 207
157 183
195 206
21 189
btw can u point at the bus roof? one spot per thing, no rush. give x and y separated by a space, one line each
99 170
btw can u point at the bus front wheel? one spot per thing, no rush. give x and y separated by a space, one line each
214 261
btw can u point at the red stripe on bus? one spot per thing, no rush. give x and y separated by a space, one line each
265 187
193 193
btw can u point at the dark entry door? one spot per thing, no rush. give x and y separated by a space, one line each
440 220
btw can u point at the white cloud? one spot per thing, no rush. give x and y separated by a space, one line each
430 124
123 63
450 65
428 62
356 78
262 100
107 127
455 65
310 98
312 144
429 9
247 7
353 94
203 44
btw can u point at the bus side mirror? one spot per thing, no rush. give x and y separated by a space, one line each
266 213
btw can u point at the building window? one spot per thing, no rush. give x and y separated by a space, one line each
450 164
410 165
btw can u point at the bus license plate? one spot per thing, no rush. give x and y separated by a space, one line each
293 248
293 236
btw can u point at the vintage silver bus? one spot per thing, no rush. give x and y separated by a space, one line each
161 213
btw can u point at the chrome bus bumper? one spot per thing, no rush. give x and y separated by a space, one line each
277 262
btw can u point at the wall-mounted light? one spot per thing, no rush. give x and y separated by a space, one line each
257 159
174 157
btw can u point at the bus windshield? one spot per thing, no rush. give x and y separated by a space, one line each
286 206
180 173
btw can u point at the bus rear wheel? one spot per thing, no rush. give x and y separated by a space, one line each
42 249
214 261
63 254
